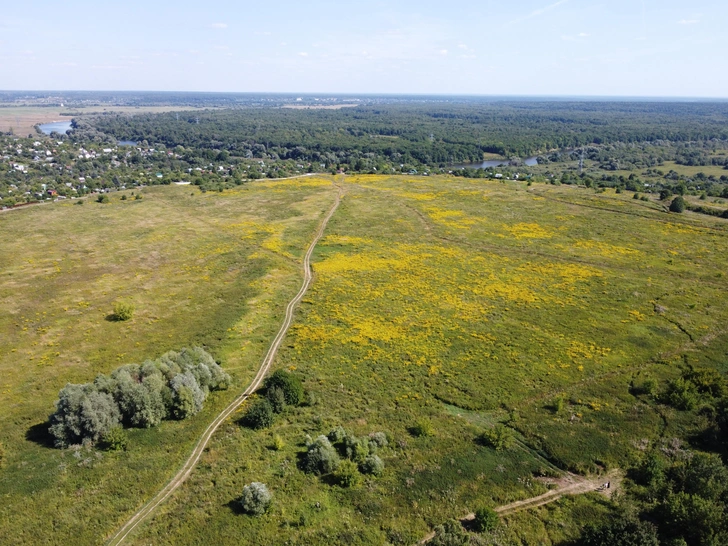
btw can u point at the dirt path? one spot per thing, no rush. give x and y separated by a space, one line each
145 511
569 484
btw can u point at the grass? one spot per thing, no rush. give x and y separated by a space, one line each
210 269
458 303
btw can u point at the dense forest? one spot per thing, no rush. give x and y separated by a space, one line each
427 133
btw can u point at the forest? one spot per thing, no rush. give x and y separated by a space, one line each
434 134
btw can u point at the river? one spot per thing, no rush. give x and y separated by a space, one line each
57 126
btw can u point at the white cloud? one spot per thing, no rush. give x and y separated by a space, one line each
303 54
217 25
688 21
443 52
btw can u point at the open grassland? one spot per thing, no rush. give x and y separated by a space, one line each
463 303
468 303
201 269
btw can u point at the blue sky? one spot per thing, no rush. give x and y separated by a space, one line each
488 47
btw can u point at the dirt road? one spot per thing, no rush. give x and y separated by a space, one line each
569 484
145 511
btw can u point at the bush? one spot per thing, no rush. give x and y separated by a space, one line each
678 204
123 311
103 198
115 440
355 448
321 457
486 519
450 533
378 439
372 465
648 386
499 437
277 399
337 435
288 383
259 415
278 443
681 394
622 532
256 499
423 428
348 474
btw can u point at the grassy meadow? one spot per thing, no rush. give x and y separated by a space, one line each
467 303
460 303
211 269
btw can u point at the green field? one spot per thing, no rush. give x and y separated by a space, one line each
210 269
461 302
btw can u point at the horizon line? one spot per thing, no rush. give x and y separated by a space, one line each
383 94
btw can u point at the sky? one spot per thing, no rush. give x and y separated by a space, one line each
654 48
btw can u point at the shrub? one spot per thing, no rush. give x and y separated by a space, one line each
259 415
123 311
621 531
321 457
378 439
499 437
423 428
347 474
256 499
355 448
681 394
138 197
277 399
290 385
486 519
450 533
372 465
115 440
678 204
278 443
558 404
648 386
123 197
103 198
337 435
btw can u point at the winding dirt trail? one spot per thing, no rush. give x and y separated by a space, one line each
569 484
145 511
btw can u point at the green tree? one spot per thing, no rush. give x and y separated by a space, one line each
288 383
259 415
678 204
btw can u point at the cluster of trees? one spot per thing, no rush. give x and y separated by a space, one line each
173 386
345 455
280 389
679 494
